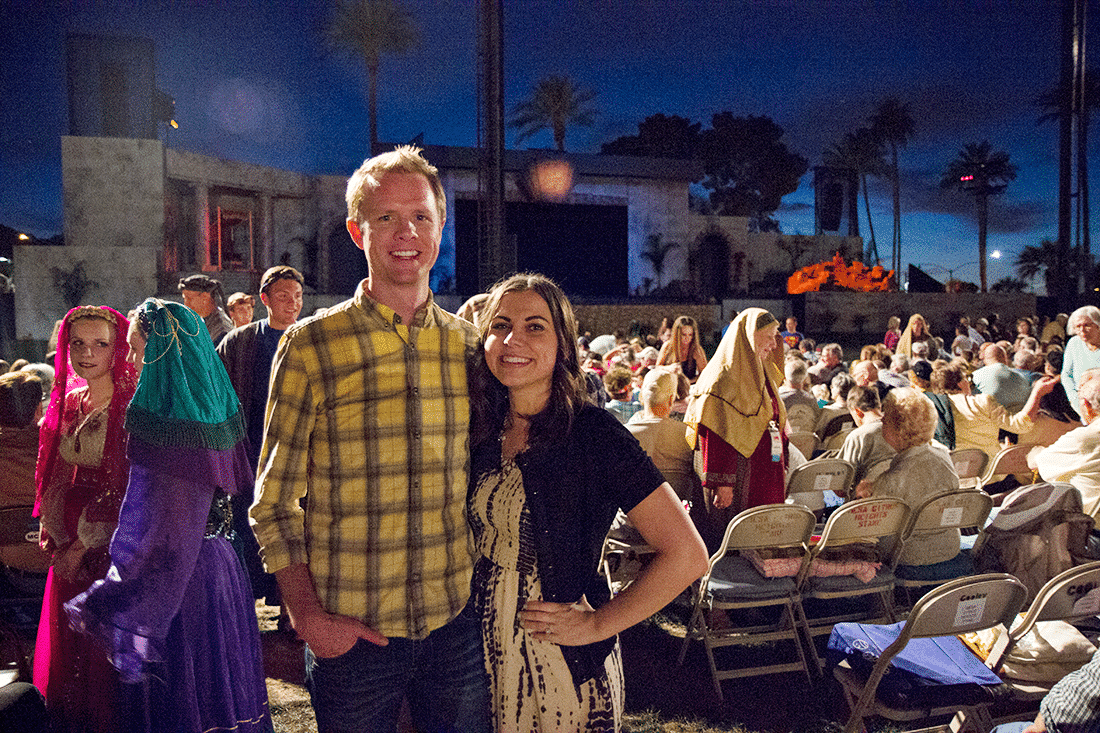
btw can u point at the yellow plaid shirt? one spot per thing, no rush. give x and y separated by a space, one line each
368 419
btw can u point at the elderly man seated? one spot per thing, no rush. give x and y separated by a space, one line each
802 409
1075 457
864 447
830 365
1009 387
921 469
865 373
663 438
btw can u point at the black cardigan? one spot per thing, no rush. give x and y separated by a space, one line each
573 490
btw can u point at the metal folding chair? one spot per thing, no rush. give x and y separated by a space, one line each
874 525
732 583
969 464
821 475
956 509
960 606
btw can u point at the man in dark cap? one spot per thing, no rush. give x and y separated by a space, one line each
203 294
247 353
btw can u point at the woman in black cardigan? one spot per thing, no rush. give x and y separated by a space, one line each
549 470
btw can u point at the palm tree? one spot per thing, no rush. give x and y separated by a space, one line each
893 125
860 151
656 251
981 171
1041 260
555 103
370 29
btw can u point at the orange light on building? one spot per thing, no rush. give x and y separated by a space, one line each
551 180
838 275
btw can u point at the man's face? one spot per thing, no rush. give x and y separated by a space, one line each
792 325
400 230
830 358
865 373
283 299
198 301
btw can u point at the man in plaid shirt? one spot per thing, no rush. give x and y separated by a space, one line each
367 419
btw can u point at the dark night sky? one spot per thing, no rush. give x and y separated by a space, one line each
253 82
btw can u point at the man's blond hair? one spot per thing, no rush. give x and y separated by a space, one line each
402 159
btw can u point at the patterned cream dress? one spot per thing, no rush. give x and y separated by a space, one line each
530 683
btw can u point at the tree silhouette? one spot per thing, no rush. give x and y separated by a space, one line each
1033 261
748 168
862 152
369 29
655 251
893 125
555 103
982 172
659 136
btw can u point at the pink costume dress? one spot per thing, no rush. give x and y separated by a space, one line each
81 480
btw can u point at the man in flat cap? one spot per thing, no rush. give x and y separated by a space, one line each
203 294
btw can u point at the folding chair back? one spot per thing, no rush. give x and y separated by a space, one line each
960 606
19 534
806 442
1011 460
821 475
956 509
969 464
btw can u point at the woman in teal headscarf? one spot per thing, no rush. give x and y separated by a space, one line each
175 610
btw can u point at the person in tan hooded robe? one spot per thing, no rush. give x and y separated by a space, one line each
917 330
736 423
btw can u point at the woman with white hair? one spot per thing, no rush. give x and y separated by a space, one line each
1083 349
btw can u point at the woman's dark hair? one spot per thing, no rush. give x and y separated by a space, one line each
568 387
948 379
1054 358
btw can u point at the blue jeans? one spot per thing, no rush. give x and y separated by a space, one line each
443 677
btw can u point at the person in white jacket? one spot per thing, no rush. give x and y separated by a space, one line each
1075 457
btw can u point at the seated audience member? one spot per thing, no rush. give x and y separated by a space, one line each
240 307
829 366
821 392
962 343
920 352
893 333
20 411
1075 457
921 469
895 375
1071 706
1055 329
45 374
834 415
664 439
1010 388
971 332
1027 364
683 392
865 448
978 418
802 409
617 381
603 343
648 356
865 374
921 376
808 349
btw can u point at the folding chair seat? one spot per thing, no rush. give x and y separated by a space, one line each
734 583
957 509
808 483
624 554
969 464
854 559
960 606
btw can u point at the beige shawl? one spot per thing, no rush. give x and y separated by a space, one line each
730 397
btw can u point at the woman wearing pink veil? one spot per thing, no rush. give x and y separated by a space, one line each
81 480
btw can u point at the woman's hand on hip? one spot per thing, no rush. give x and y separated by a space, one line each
567 624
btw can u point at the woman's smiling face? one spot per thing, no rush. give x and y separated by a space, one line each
522 346
91 347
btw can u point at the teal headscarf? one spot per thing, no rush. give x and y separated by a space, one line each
184 397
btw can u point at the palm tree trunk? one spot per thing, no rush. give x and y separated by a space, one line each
870 226
372 112
895 176
983 227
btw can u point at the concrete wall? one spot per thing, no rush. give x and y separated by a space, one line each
600 319
850 314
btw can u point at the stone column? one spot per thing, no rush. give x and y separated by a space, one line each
202 225
267 233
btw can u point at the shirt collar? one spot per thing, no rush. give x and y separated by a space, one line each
423 318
